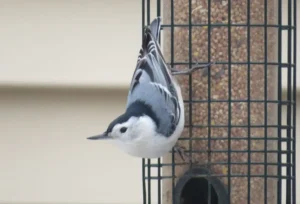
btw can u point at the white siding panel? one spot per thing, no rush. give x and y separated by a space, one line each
46 158
69 43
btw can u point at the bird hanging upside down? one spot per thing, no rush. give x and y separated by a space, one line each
154 116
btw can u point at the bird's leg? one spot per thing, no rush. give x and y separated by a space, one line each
180 151
182 154
188 71
174 70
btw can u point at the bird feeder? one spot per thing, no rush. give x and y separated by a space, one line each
241 151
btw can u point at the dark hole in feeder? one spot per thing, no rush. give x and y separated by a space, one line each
195 191
193 188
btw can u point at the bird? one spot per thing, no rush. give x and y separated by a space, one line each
154 116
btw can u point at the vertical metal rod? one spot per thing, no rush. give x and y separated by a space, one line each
248 99
143 160
190 81
158 8
159 181
209 98
229 101
143 17
172 65
279 182
149 160
148 12
289 98
266 103
149 181
295 99
144 182
159 159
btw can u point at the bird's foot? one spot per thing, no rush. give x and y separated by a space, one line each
184 156
189 71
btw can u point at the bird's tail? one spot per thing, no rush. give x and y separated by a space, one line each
151 33
155 27
151 54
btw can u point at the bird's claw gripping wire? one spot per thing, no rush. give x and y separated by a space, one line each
189 71
183 155
180 151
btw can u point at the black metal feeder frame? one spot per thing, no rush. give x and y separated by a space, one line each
240 114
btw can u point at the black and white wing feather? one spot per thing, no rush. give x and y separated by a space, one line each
152 83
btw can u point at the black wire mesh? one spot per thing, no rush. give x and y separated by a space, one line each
163 180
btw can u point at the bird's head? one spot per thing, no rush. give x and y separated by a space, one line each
126 127
138 120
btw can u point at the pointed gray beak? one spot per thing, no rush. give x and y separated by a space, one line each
102 136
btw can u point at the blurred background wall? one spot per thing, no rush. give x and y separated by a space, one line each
65 70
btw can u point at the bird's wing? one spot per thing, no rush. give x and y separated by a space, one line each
162 104
151 66
153 74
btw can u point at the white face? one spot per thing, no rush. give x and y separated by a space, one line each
124 131
132 129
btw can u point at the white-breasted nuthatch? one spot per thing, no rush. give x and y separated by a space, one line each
154 116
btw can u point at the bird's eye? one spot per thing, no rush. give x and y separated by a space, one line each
123 129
